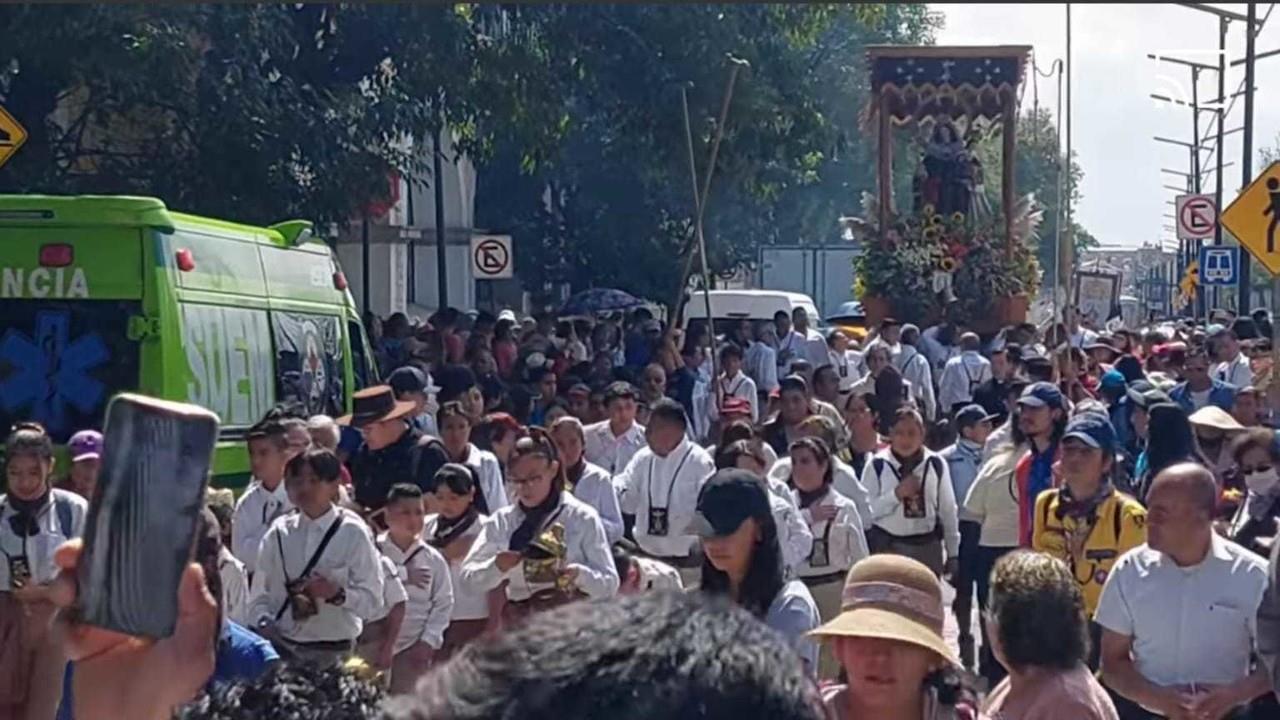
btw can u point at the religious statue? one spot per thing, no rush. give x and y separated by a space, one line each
944 179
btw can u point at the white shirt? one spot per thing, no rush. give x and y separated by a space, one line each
350 561
933 349
235 587
961 377
1083 336
393 592
595 488
671 483
467 605
843 537
1189 625
1235 372
1199 399
739 386
657 575
587 550
807 346
761 362
489 471
843 478
881 477
793 533
256 509
915 369
850 367
427 610
39 548
611 452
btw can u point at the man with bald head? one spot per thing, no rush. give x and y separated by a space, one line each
1178 613
962 375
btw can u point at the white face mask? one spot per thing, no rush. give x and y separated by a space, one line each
1262 482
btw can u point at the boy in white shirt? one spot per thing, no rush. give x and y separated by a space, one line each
425 575
318 572
732 383
269 451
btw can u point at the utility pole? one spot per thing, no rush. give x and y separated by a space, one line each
1069 251
1246 156
442 258
1222 93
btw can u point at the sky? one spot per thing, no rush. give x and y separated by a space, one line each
1113 117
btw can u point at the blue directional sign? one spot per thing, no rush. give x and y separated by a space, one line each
1219 265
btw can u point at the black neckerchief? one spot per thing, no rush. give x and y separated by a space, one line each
26 514
810 498
574 474
449 530
533 519
910 462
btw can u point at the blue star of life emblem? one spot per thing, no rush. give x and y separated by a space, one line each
51 372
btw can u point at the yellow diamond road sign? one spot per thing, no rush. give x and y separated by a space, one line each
1254 218
12 135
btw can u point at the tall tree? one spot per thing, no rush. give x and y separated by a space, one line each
619 207
258 112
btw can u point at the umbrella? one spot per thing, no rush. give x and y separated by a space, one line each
598 300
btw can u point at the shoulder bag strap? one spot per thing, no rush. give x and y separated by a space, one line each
311 563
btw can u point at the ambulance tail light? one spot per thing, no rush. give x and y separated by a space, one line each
186 262
340 280
57 255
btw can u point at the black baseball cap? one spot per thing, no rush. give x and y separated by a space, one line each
971 415
406 380
728 498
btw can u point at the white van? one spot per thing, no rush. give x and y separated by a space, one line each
728 306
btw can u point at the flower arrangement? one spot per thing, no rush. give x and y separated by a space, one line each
927 262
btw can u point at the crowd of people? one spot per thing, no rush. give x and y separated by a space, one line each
1105 500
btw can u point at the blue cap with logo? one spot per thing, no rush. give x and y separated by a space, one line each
1041 394
1092 429
971 415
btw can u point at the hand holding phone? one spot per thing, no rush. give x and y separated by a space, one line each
142 521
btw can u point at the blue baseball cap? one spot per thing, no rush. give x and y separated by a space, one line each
1041 394
1112 380
1092 429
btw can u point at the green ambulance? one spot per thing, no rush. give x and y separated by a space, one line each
100 295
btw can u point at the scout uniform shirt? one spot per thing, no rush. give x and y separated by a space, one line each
1114 527
662 493
255 511
585 546
30 552
427 610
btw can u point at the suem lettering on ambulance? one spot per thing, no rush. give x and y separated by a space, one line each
101 295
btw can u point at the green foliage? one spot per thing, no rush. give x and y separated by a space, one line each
258 112
791 163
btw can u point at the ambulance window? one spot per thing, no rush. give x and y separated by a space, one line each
361 368
309 363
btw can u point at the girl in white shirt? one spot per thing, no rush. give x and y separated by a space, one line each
549 547
453 531
838 537
455 433
35 519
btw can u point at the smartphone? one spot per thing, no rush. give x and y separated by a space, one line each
142 521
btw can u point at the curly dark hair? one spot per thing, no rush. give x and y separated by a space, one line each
1038 611
290 692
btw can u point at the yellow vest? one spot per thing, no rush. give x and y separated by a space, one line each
1116 526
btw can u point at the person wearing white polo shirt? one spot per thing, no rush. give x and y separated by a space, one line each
1178 613
660 488
612 443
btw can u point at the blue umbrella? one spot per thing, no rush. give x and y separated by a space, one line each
598 300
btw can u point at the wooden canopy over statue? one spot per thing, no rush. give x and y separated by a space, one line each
953 99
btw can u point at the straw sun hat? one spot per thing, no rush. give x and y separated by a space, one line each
891 597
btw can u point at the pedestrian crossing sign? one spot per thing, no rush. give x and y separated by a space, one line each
12 135
1254 218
